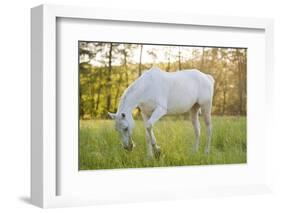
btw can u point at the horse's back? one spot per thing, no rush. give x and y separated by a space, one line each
194 74
184 90
203 84
178 91
158 74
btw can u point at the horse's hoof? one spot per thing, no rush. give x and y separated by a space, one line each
130 147
157 152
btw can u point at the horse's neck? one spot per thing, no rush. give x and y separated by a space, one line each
129 100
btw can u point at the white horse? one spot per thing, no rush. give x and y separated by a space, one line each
158 93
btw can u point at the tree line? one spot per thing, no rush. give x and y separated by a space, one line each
106 69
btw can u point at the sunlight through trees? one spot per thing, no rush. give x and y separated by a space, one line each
106 69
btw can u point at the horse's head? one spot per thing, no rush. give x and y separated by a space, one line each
124 125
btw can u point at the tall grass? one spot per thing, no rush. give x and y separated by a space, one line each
100 146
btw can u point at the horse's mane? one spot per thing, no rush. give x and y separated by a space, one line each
134 88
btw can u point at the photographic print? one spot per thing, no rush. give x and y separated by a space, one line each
160 105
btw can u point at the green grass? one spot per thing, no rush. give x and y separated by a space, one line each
100 146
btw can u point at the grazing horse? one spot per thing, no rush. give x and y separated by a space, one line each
158 93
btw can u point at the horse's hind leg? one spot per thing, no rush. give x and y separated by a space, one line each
196 125
206 110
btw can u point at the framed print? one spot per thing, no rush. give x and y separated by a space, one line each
130 106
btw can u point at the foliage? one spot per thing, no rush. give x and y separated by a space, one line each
106 70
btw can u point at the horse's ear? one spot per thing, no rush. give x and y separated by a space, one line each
123 115
112 115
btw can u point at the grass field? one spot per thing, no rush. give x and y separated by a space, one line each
100 146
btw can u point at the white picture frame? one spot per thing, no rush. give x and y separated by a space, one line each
44 169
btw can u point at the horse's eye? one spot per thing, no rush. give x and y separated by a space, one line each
126 129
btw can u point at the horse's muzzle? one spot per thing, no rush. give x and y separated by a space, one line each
130 146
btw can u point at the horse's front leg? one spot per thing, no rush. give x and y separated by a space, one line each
152 147
145 118
156 148
155 116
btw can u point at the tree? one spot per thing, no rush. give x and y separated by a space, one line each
179 57
241 69
87 52
152 53
108 84
107 68
140 63
168 57
202 58
125 51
